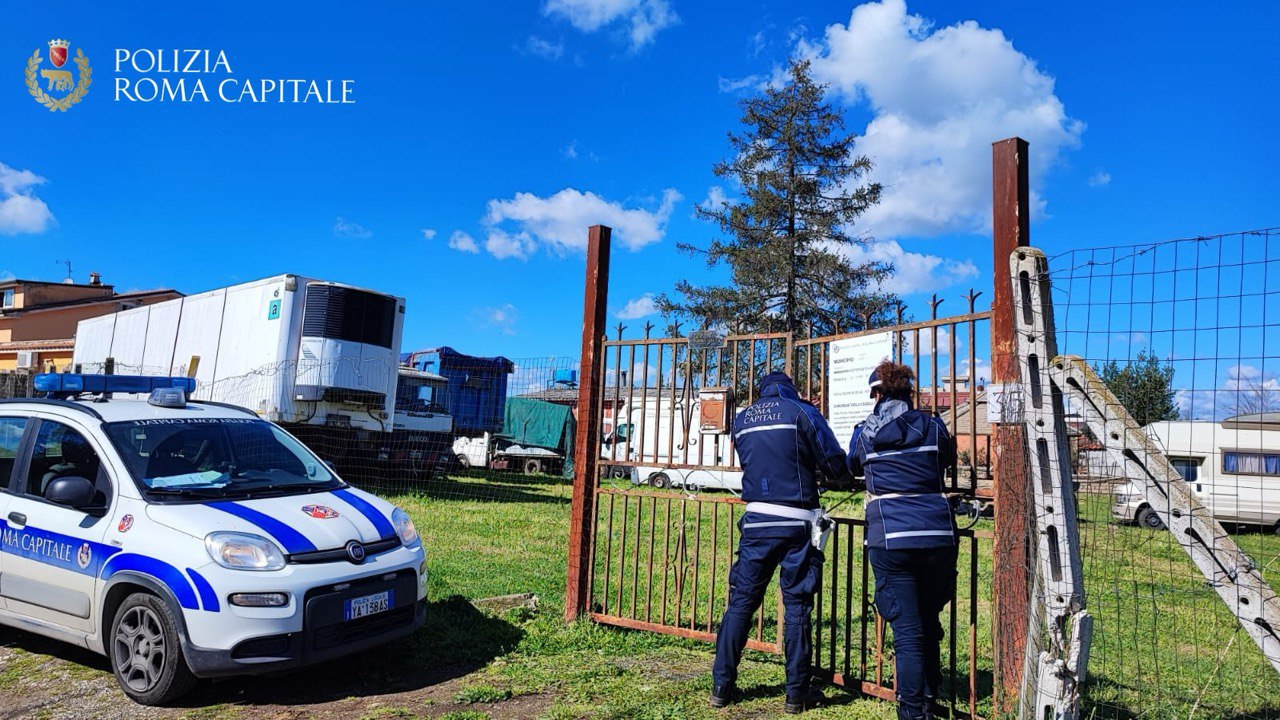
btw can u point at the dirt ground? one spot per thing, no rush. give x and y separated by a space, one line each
49 680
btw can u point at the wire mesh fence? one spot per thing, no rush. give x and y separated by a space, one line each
1179 332
16 384
477 428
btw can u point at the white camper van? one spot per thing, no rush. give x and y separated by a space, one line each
686 444
1233 467
294 350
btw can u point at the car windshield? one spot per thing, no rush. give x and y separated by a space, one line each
218 457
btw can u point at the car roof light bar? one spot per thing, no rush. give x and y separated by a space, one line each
67 384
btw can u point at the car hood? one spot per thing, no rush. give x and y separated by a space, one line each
298 523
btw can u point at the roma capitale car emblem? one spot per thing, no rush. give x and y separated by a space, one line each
320 512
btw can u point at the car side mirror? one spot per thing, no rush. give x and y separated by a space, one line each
72 491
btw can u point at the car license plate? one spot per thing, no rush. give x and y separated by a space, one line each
367 605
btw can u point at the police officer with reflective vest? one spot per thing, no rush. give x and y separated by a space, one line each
911 534
783 442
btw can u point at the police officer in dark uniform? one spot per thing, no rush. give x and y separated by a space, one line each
783 442
911 533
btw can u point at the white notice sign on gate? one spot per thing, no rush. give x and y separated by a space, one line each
851 362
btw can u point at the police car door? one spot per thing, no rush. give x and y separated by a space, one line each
52 552
11 430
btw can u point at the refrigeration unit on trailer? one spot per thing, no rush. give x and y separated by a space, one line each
295 350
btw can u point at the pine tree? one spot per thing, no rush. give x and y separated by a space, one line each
784 240
1144 387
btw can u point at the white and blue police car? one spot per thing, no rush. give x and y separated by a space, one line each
186 539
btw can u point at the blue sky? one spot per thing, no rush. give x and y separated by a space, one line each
506 132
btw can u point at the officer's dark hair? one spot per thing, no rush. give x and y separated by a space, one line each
895 380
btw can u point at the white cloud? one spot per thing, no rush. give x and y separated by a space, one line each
1134 338
642 18
716 199
560 222
1101 178
913 272
462 242
428 233
6 276
728 85
501 318
983 374
926 344
940 97
638 308
1238 373
1245 389
21 211
344 229
503 245
543 48
571 150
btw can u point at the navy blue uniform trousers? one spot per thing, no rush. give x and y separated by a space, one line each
758 557
912 587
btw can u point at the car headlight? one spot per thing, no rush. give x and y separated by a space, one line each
243 551
404 527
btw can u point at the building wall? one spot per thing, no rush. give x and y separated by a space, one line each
59 360
34 294
60 324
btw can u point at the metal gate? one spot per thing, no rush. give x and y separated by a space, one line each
664 527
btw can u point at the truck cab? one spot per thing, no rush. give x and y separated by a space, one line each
422 402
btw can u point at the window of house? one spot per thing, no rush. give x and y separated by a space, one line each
1247 463
6 298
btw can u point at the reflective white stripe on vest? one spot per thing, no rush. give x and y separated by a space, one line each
886 453
762 428
918 533
890 496
785 511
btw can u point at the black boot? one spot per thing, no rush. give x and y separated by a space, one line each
722 695
795 706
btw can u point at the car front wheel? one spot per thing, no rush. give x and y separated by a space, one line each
146 652
1149 519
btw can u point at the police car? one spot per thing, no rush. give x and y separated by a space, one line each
187 539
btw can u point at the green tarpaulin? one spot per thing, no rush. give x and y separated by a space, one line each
537 423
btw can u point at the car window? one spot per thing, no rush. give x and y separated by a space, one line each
10 436
61 451
217 457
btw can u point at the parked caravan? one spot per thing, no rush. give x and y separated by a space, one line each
685 443
294 350
1233 467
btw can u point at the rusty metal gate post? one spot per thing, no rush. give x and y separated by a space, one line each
587 443
1011 227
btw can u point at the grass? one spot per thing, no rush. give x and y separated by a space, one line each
482 694
1163 642
489 537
